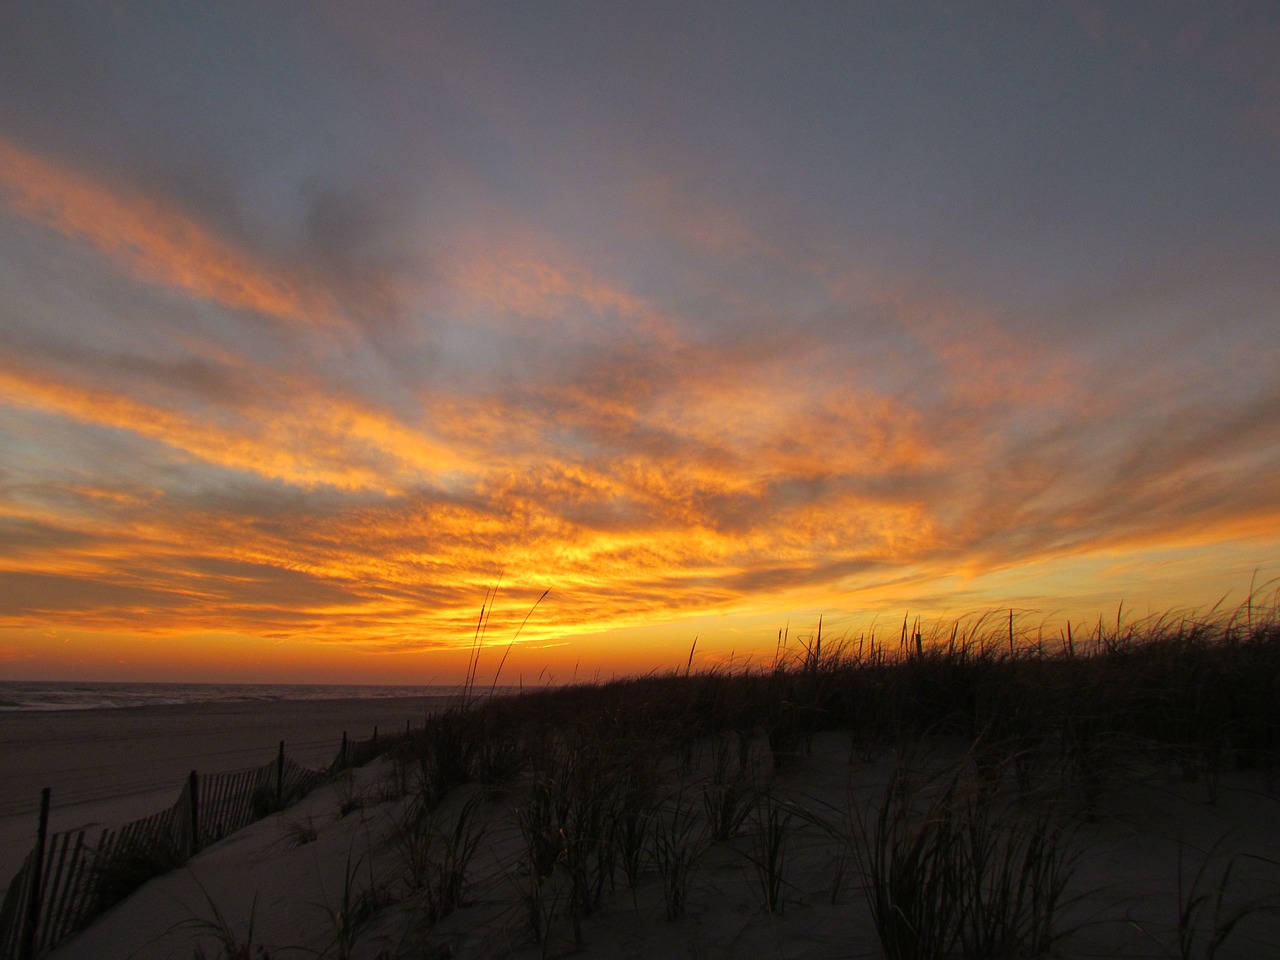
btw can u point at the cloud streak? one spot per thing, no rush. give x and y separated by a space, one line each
151 240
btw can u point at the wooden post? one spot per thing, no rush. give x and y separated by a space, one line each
280 775
342 761
375 738
27 946
193 781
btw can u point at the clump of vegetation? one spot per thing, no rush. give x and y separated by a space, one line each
301 832
949 867
969 851
769 854
354 908
1210 908
678 842
350 797
436 851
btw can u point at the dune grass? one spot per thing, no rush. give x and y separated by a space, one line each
969 852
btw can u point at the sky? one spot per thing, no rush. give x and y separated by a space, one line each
329 329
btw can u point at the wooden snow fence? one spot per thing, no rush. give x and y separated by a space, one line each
71 877
356 753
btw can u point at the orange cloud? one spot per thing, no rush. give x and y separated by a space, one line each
296 432
642 475
521 279
152 240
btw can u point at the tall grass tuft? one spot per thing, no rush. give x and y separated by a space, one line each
948 867
1208 911
678 841
436 852
768 856
356 906
729 794
229 944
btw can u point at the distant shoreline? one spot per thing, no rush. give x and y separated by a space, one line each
47 696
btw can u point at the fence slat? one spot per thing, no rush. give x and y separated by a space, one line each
13 909
31 922
50 896
63 915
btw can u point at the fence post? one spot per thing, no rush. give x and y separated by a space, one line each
375 738
27 946
193 781
280 775
343 755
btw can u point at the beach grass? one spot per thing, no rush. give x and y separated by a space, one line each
998 754
611 783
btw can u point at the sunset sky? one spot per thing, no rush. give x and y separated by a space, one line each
321 320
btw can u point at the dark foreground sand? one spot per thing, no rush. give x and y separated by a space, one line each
303 900
111 766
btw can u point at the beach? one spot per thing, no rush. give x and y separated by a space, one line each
968 803
339 892
109 766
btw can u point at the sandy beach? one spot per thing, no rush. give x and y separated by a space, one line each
965 804
287 897
108 767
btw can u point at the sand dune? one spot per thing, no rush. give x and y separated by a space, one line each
1124 895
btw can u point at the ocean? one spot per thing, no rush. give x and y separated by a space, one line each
36 696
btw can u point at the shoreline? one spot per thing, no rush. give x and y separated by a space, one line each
23 696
